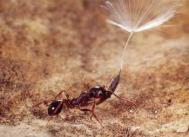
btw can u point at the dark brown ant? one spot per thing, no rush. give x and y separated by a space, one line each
94 96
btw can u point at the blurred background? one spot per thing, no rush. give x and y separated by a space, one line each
47 46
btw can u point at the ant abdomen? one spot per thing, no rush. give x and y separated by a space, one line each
55 108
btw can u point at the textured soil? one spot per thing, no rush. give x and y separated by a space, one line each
47 46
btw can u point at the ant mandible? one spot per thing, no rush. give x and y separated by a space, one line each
94 96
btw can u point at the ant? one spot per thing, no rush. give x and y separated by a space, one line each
94 96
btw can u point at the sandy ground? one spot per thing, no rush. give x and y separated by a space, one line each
47 46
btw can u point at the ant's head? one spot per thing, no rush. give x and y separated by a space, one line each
55 107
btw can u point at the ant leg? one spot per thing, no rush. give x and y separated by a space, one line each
92 111
45 102
93 114
85 110
125 99
60 94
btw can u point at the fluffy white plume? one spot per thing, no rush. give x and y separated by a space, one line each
140 15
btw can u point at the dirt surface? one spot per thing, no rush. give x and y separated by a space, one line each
47 46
